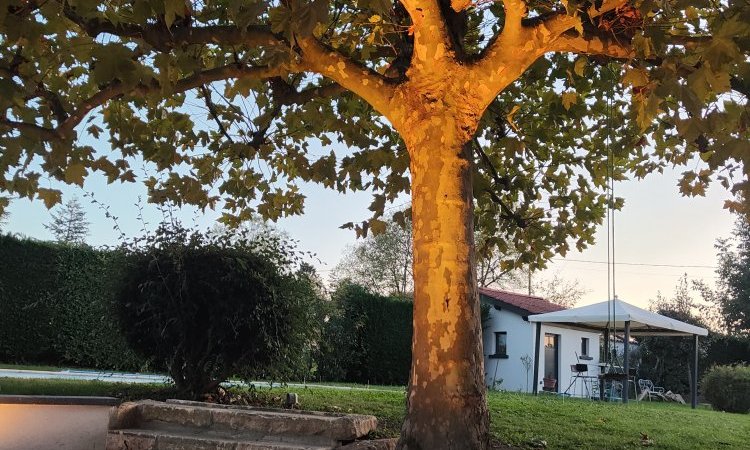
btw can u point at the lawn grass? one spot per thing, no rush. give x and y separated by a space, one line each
517 419
124 391
375 387
579 424
30 367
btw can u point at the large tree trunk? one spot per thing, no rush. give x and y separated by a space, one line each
446 402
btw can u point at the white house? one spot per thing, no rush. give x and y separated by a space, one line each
508 339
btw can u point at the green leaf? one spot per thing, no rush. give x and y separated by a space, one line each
50 197
174 9
580 66
75 173
635 77
377 226
569 99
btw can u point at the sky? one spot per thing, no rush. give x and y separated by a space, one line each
656 227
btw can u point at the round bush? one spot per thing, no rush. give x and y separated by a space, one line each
207 309
727 388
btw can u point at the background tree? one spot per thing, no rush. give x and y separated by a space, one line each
492 266
381 263
556 289
668 360
733 291
69 224
490 110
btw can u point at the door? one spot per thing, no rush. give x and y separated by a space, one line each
551 362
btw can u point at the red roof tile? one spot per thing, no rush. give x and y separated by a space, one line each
529 303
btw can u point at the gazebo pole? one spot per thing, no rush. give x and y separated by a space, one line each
626 364
535 390
694 393
607 355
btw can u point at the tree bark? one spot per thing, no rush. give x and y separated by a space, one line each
446 404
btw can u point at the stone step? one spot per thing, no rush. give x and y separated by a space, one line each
239 424
338 426
196 439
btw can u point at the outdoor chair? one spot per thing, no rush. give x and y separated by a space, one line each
647 389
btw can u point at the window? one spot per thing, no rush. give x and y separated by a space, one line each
501 343
584 346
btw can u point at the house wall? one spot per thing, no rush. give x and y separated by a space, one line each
570 345
510 374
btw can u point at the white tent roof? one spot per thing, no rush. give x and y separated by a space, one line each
598 315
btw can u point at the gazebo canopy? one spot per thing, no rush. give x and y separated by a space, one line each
599 315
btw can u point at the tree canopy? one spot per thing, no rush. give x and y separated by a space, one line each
228 100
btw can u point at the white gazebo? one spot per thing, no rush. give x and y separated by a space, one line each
619 315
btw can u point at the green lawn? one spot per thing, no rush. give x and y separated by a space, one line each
30 367
125 391
375 387
517 419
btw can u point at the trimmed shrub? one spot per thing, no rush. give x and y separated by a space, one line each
27 328
207 308
723 349
367 338
727 388
84 319
56 306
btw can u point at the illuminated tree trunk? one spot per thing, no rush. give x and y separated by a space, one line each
446 400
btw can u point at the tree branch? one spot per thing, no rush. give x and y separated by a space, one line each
293 97
43 133
507 212
601 46
374 88
561 22
497 66
423 13
214 114
515 12
431 38
571 42
64 130
162 38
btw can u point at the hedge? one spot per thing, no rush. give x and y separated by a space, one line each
56 304
367 339
26 322
723 349
727 388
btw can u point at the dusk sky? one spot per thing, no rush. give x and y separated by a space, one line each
657 227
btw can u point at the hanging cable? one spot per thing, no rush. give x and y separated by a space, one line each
611 254
610 311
